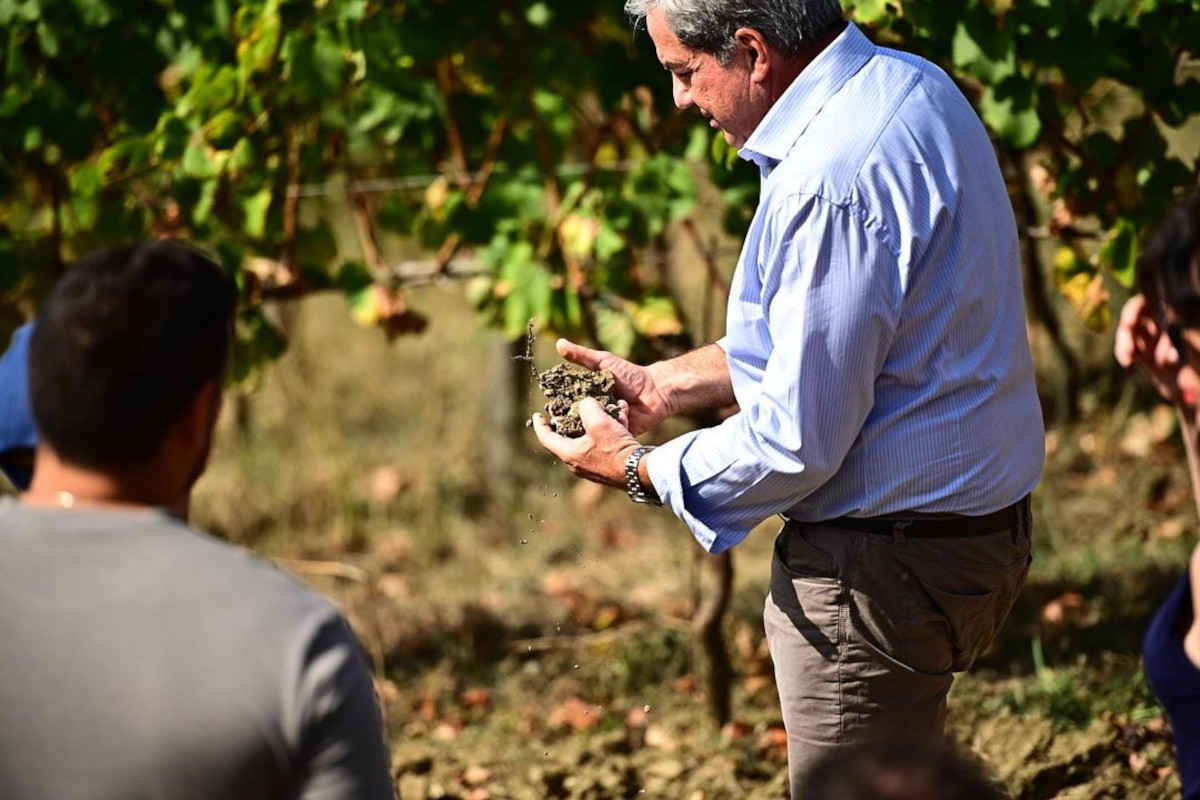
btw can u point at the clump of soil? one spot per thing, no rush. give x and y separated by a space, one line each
566 385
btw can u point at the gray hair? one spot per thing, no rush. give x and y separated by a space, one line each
790 26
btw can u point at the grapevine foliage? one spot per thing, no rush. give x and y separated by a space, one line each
533 140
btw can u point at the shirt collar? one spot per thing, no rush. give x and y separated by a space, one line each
787 119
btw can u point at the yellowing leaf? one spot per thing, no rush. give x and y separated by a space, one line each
657 316
578 235
1089 298
436 195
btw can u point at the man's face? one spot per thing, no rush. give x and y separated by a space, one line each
721 93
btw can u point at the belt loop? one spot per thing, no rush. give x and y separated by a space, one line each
899 533
1018 523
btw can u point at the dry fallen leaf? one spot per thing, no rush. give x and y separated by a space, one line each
394 550
773 741
577 714
756 684
388 691
734 730
618 537
479 697
393 586
475 775
1057 609
658 738
386 483
448 731
607 616
559 584
428 711
1169 529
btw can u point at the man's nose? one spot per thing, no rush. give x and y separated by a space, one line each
680 93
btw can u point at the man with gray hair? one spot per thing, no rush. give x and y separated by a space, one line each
875 346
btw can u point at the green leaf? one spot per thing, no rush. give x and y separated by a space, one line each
868 11
255 209
609 241
257 341
1018 128
204 205
259 43
1119 253
196 162
353 276
969 56
615 331
172 138
47 40
527 291
224 130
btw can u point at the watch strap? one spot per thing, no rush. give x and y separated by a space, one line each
638 491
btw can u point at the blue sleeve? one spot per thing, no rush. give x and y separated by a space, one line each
822 307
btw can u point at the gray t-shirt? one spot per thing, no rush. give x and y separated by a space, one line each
140 658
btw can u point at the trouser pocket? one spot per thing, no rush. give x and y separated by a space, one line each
934 613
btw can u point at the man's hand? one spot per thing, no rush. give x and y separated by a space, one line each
599 455
635 385
1141 343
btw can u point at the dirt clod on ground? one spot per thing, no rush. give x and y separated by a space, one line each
566 385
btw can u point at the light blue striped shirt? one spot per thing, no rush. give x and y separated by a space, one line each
876 327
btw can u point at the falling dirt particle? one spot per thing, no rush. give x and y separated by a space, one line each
646 709
524 541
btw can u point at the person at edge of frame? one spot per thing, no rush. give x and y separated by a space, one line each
1159 334
18 434
875 345
144 658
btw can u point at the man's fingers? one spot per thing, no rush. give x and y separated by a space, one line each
546 437
591 413
578 354
624 413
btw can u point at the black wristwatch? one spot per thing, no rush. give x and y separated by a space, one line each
638 491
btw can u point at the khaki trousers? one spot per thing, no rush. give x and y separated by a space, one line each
866 630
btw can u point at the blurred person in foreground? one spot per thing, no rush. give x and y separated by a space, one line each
900 769
875 344
142 658
1159 333
18 435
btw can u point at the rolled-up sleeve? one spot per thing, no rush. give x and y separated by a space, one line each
813 312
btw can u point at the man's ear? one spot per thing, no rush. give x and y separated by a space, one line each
756 51
200 415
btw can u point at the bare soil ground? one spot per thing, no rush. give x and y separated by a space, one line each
531 634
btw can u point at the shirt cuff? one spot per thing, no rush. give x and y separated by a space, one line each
664 465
